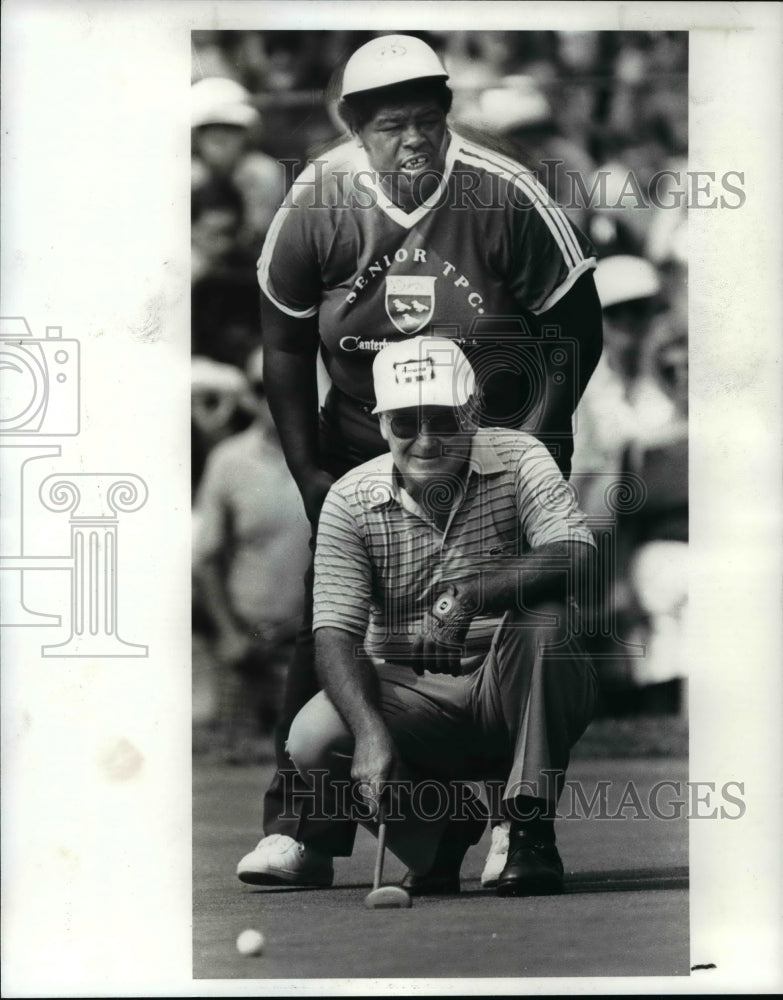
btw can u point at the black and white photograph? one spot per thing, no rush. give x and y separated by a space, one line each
390 552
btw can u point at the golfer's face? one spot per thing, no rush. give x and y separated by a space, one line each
428 441
407 138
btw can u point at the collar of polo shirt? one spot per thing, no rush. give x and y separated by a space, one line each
383 488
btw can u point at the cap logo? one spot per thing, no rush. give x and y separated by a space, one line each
393 50
414 371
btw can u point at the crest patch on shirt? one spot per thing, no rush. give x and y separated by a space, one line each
410 301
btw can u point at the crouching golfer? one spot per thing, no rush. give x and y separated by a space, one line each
444 628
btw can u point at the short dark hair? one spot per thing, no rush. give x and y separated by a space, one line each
357 109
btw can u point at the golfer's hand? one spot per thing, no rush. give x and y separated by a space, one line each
374 758
441 645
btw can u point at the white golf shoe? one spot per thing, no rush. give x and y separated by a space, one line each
496 859
281 860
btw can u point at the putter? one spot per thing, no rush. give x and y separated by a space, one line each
387 897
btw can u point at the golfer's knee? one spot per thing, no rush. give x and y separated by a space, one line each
545 617
316 733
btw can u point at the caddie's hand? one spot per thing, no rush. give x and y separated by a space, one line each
374 759
442 645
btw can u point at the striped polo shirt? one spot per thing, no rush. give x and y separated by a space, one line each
381 562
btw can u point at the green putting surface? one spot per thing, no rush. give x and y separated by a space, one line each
624 911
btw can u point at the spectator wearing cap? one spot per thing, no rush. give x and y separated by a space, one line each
622 401
218 408
632 421
444 642
250 552
519 114
224 124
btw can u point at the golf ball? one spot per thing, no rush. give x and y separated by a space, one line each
250 942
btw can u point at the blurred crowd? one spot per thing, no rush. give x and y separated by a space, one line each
600 116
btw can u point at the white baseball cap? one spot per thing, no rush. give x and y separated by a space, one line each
519 103
217 100
422 371
623 278
208 375
388 60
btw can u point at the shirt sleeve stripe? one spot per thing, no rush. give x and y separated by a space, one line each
588 264
548 510
551 213
265 261
542 199
518 172
549 220
342 592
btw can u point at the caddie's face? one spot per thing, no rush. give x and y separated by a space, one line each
408 138
428 442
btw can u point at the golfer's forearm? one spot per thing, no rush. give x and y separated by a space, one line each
548 573
291 386
349 679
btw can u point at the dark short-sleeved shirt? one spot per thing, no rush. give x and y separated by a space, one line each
486 249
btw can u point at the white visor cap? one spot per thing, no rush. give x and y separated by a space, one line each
217 100
422 371
388 60
624 278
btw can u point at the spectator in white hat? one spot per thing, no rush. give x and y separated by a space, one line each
622 401
224 122
520 115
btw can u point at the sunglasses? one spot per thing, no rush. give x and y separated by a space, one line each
411 423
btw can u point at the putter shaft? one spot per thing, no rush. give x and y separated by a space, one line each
378 874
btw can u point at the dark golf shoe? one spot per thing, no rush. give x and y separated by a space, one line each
533 867
443 878
445 883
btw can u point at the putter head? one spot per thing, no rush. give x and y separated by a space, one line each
388 897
